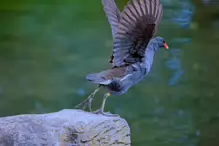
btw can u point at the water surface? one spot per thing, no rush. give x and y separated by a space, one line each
48 47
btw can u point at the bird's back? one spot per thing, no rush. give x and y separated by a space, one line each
118 80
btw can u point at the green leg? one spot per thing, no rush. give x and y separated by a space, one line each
87 103
101 110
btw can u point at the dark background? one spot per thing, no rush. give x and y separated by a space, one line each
48 46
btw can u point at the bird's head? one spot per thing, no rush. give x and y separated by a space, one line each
160 42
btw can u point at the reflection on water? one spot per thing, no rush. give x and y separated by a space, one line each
47 48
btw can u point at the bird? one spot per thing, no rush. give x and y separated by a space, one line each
134 46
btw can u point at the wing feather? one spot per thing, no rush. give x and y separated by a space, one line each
113 14
137 25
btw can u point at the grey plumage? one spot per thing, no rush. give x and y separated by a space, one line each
134 48
123 77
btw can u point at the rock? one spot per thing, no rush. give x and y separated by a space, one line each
64 128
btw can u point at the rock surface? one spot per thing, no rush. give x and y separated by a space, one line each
64 128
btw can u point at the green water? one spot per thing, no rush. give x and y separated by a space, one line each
48 47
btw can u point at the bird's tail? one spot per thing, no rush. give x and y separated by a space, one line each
92 77
97 79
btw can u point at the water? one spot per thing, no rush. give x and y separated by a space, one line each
48 47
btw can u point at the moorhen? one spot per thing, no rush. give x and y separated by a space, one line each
134 48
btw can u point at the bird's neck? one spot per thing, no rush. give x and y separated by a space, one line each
149 56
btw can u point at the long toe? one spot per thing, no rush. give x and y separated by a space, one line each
83 104
108 114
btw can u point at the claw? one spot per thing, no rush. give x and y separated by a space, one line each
87 103
108 114
100 111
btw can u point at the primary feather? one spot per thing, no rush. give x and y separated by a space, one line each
113 14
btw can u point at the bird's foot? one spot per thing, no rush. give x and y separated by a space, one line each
84 104
108 114
87 103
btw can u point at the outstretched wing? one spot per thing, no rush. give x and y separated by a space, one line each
138 24
112 13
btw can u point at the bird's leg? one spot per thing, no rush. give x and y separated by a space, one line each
101 110
88 101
